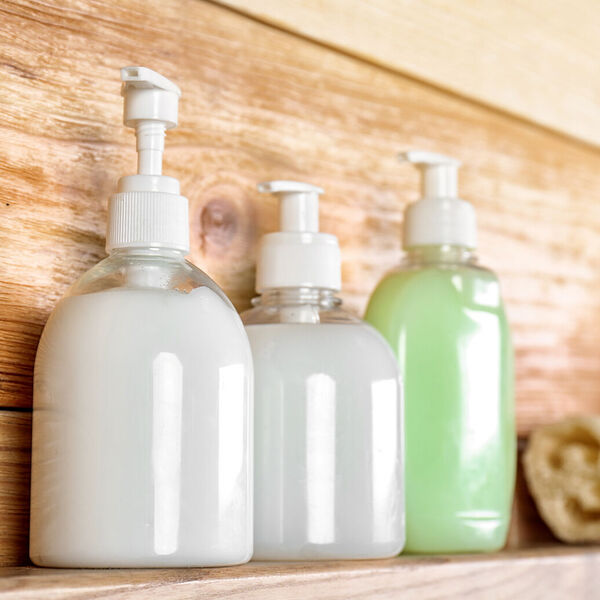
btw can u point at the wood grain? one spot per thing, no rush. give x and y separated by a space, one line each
532 58
15 446
260 103
545 574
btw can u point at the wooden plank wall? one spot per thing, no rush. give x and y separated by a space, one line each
260 103
533 58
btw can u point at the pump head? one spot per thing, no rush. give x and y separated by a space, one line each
297 255
148 211
151 103
439 173
298 204
440 217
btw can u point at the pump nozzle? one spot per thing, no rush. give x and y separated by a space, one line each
150 107
439 173
299 204
297 255
147 210
440 216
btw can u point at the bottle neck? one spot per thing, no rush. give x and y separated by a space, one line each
440 254
324 298
167 253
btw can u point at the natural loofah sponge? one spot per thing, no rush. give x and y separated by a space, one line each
562 469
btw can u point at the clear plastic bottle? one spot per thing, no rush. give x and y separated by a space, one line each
444 318
142 389
328 410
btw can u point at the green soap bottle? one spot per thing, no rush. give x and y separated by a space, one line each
444 317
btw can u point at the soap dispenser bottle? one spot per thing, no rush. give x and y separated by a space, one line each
328 409
444 318
142 390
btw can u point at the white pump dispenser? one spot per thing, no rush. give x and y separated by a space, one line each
142 440
440 217
148 210
328 480
298 255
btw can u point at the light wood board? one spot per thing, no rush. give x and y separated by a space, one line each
539 574
534 58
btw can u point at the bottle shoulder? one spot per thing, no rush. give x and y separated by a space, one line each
150 293
433 292
453 274
146 320
351 342
473 269
298 314
144 272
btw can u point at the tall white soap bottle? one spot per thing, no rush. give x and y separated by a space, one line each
328 407
142 422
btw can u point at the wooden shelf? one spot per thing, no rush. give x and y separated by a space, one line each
546 572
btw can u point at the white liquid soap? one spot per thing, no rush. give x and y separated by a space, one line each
328 406
142 427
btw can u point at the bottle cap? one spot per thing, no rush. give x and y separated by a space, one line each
148 211
297 255
440 217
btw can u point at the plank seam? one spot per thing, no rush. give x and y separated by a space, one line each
412 78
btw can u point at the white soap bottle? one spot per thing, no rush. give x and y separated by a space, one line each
328 409
142 422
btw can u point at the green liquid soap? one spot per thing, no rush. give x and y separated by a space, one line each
444 319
